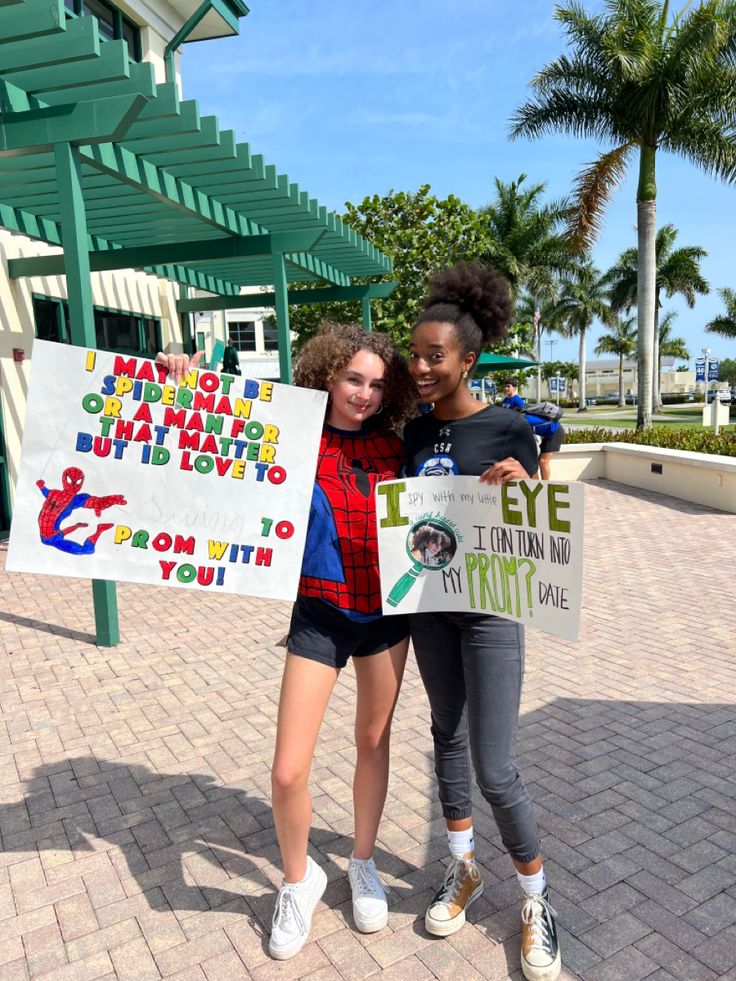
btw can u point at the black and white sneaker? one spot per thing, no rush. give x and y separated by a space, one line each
540 949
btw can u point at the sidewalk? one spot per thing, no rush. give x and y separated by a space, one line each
136 829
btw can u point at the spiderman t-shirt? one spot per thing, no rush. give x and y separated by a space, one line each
340 564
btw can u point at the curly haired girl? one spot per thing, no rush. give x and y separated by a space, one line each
337 615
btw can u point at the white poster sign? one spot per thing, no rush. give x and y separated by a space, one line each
452 543
124 475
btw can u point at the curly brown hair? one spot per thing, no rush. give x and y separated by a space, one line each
331 350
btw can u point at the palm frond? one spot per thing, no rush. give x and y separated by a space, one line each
725 326
707 144
592 191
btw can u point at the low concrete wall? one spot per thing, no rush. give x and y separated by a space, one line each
703 478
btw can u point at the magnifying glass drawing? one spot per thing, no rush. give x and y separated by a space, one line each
431 544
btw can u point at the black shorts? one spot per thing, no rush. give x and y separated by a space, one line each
551 444
322 633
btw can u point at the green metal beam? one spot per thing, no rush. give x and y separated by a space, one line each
324 270
230 13
112 62
196 278
173 253
32 19
33 130
138 172
328 294
281 306
82 328
79 40
366 313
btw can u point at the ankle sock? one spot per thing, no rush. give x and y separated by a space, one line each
533 885
360 861
461 843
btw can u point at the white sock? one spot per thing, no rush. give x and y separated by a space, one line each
461 842
533 885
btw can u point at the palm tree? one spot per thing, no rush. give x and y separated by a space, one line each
539 313
639 79
621 342
725 324
677 272
583 297
669 346
528 242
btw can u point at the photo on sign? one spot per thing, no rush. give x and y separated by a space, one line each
431 544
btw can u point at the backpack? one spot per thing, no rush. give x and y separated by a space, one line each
544 410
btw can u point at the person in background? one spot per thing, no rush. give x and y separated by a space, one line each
511 397
551 435
230 360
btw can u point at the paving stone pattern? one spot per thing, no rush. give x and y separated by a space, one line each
137 838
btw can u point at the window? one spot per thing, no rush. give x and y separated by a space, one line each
115 330
105 17
113 24
243 334
270 336
51 318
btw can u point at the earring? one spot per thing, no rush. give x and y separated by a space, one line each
465 374
378 411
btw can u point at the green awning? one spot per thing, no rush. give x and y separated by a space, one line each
497 362
154 172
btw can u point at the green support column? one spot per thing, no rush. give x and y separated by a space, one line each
82 332
282 317
367 317
185 325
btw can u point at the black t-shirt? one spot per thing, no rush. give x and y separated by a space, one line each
468 446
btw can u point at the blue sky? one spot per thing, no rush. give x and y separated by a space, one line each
352 99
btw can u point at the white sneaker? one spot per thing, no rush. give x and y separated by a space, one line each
295 905
370 908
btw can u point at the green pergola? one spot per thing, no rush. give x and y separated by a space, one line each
120 173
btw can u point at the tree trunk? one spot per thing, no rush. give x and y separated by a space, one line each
656 363
646 207
538 345
582 405
621 398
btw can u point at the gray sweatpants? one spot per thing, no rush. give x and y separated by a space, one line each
472 666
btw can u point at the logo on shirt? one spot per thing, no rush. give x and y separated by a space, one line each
438 466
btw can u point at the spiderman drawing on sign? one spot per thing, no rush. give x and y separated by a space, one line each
59 504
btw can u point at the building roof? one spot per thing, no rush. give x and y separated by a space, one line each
611 364
219 21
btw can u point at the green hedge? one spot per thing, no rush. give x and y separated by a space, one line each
672 439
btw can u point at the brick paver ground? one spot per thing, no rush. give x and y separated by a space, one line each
137 839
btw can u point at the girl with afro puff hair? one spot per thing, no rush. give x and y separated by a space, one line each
472 664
